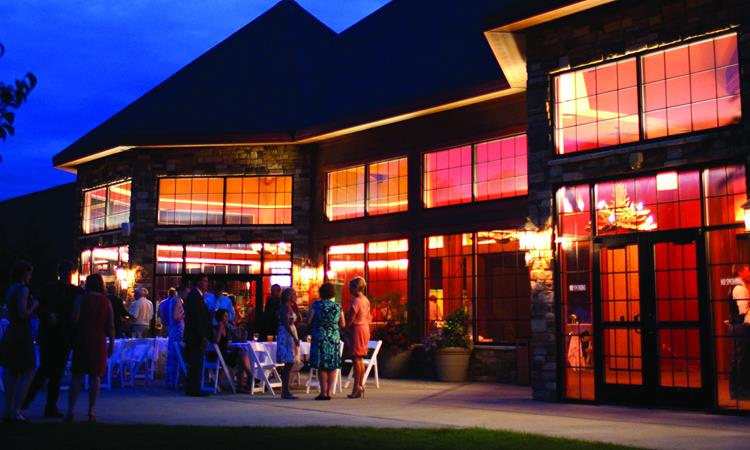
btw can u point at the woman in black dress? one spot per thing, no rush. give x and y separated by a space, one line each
17 354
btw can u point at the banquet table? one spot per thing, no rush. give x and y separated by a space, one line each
270 348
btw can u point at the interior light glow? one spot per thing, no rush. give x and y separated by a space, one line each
666 181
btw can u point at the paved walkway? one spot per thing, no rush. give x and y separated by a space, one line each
422 404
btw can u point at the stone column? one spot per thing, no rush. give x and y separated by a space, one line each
543 326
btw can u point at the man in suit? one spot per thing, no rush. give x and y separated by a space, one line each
271 311
197 332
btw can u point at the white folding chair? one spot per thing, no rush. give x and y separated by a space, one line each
314 381
135 362
263 369
114 362
215 368
370 364
178 347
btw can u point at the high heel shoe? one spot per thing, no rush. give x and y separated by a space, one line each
359 393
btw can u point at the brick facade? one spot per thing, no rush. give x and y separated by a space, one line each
146 166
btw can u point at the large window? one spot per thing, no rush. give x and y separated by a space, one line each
484 171
686 88
596 107
247 258
106 208
383 184
384 265
225 201
484 272
665 201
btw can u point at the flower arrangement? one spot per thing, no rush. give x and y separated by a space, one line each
395 336
455 332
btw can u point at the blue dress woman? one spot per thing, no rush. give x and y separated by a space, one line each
325 355
176 322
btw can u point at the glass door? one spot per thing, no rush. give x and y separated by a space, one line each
651 348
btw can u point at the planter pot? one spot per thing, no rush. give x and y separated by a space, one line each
394 365
452 364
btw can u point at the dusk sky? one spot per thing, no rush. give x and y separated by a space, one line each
94 57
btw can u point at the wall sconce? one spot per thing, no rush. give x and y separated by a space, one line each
746 207
535 242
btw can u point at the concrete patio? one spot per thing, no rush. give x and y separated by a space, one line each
420 404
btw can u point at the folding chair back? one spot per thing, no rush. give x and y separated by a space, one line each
263 369
215 368
180 361
313 378
371 363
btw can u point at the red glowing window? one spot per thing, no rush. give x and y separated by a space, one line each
670 200
385 267
501 168
448 273
387 280
387 190
106 208
345 197
573 206
448 177
344 263
191 201
691 87
725 192
596 107
259 200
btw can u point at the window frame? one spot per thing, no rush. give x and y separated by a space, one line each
473 146
184 245
107 187
366 200
223 223
639 56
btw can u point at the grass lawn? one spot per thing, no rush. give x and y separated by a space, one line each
142 437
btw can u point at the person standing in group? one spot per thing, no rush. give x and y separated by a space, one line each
142 311
287 343
17 353
119 312
162 311
325 321
54 338
196 336
175 320
95 325
271 311
359 333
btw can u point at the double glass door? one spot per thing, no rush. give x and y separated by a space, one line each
650 347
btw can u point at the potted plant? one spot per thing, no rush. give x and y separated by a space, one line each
451 347
395 353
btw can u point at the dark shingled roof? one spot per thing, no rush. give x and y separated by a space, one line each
286 76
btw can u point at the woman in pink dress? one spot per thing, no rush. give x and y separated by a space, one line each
359 332
93 315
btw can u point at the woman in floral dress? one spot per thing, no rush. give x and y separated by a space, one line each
287 342
325 320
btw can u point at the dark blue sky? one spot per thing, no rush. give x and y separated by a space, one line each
94 57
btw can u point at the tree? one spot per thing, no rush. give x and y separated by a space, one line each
12 96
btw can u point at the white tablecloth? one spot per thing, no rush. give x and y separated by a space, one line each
270 348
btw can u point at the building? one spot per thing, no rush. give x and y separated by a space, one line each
572 172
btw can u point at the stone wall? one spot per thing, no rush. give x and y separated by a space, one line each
595 35
144 166
500 364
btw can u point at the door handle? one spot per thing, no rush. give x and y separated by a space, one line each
637 318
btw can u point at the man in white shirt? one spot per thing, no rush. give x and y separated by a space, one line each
142 311
739 379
